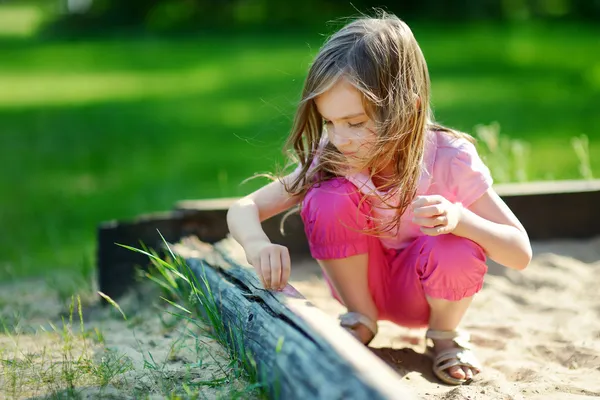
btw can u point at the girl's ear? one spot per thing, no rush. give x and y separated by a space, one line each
418 103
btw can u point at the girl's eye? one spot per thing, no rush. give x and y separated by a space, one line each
356 125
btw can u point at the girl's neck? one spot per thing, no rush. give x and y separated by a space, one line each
382 177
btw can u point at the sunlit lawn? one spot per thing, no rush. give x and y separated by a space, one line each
111 128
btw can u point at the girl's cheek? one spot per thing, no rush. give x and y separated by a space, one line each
365 146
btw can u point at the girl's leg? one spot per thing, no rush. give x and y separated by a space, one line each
333 217
445 316
435 279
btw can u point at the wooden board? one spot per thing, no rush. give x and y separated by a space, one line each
302 352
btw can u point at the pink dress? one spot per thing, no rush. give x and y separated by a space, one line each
408 265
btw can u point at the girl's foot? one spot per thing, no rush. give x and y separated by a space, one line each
454 362
360 326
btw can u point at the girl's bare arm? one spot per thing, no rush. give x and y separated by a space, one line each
244 217
271 261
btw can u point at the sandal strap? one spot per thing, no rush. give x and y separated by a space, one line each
456 356
459 337
444 335
352 319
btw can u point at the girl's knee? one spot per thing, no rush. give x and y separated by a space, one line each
454 267
454 251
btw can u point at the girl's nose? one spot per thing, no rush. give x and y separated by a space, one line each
340 139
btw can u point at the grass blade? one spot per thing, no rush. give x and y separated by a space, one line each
113 303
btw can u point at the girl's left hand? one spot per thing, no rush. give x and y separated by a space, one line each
435 214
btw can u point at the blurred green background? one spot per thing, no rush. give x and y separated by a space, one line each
110 109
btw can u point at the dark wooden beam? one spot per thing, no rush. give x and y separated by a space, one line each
300 352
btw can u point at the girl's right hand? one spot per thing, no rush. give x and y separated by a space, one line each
270 261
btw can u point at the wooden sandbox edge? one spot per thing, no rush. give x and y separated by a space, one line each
300 351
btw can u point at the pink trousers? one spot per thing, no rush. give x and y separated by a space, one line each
446 267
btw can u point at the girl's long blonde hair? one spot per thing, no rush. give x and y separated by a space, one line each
382 59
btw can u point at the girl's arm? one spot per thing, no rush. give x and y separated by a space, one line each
488 222
244 217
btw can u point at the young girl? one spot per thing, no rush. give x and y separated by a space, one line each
399 212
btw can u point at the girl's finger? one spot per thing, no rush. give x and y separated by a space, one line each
275 258
423 201
286 268
256 265
265 270
441 220
433 231
429 211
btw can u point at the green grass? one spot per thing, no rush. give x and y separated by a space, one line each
92 130
195 301
64 358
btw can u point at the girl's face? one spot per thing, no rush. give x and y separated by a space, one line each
348 127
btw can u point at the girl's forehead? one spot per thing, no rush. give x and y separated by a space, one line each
341 101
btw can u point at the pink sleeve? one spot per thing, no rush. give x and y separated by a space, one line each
468 178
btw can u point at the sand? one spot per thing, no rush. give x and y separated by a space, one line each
537 332
151 355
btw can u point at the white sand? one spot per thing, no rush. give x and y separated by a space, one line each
537 331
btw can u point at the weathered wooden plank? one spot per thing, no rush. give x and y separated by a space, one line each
545 187
318 359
